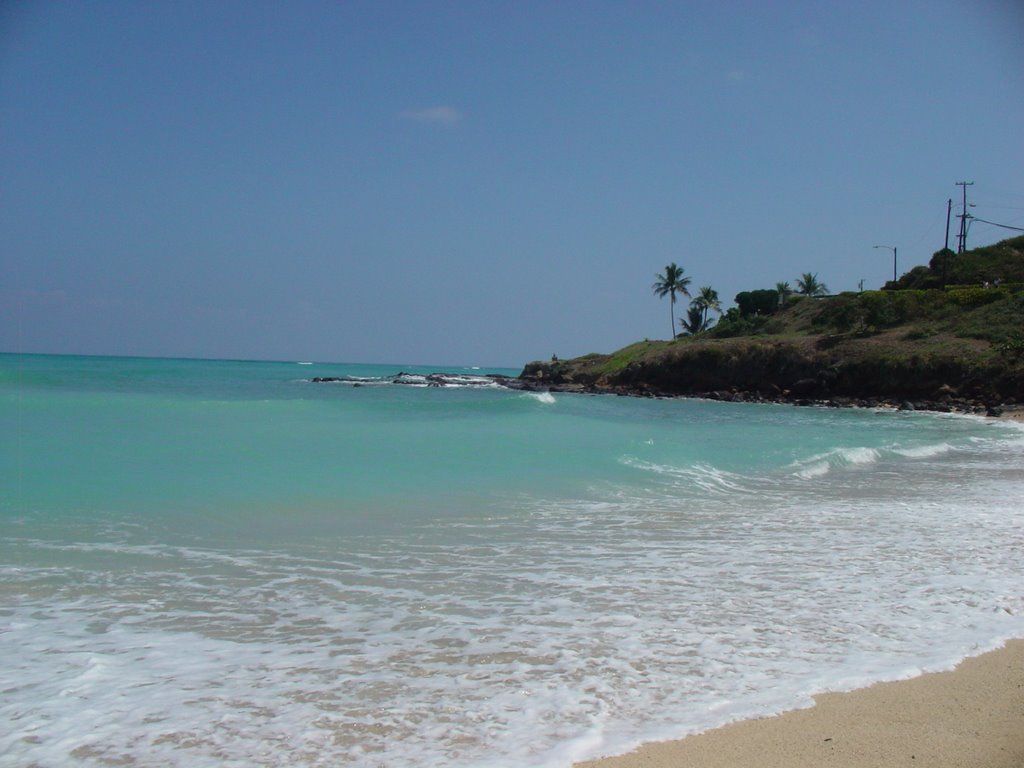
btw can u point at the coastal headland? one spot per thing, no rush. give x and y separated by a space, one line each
924 342
947 375
914 345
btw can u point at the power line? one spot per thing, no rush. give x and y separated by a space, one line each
1004 226
1004 193
1002 207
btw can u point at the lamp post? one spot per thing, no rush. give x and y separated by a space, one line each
893 249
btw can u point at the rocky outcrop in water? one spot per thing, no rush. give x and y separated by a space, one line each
418 380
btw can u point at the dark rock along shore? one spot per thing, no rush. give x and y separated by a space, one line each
771 372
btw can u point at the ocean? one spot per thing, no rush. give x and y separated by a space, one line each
218 563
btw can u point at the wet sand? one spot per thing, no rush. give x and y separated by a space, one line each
1013 413
970 717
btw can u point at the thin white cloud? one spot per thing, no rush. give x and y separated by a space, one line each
445 116
811 36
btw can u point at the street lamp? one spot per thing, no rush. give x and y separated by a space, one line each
893 249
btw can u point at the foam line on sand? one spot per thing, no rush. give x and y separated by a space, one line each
970 717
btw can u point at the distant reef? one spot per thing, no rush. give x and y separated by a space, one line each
953 348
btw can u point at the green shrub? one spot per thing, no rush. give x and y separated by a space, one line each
879 309
918 278
739 326
1001 261
884 310
760 302
995 322
1012 347
977 297
919 334
840 313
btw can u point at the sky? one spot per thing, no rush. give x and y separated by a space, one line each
477 183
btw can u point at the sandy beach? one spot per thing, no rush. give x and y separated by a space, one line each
1013 413
970 717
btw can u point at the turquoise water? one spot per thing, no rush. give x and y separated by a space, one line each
219 562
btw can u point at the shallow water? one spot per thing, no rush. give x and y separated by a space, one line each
222 563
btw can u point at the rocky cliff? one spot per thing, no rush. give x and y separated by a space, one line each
923 363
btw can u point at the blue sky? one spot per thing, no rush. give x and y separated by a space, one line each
476 183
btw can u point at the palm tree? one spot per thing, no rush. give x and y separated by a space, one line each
784 293
694 322
707 298
808 285
669 284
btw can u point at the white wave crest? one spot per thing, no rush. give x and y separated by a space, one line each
703 476
823 463
924 451
859 455
820 469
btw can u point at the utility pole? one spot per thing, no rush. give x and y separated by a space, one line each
963 218
945 251
893 249
949 210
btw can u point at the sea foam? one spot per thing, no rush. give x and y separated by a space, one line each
282 574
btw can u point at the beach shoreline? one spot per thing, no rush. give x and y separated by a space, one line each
970 716
459 575
1013 413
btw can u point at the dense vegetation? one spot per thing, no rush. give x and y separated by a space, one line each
1001 262
913 340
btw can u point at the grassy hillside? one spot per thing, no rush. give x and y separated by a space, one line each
962 344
